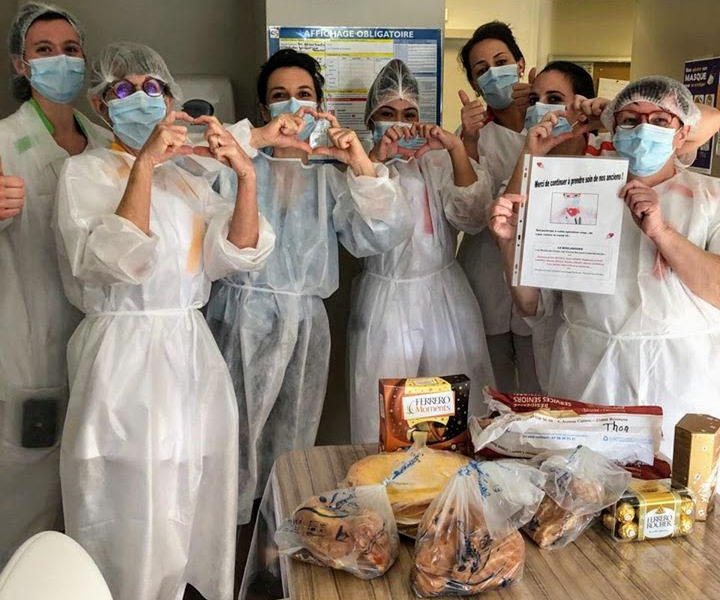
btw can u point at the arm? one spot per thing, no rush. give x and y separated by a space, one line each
503 215
95 245
345 146
707 127
697 268
135 203
241 240
503 226
465 186
371 214
166 141
12 198
474 117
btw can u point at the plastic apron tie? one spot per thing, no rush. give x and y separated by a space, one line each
410 279
242 286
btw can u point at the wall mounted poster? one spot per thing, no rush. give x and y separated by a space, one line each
351 57
701 78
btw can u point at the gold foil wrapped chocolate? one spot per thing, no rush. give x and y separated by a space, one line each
609 521
625 512
686 524
628 531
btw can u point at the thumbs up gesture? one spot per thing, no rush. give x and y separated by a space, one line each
473 115
12 195
521 92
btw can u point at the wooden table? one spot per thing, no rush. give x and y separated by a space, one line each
593 568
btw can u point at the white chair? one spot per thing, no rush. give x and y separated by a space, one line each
52 566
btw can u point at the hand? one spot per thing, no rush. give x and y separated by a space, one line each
502 217
388 146
223 147
281 132
644 205
167 139
474 115
436 138
540 139
588 110
521 92
12 195
345 145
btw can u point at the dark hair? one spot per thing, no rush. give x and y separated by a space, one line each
580 80
20 85
287 57
494 30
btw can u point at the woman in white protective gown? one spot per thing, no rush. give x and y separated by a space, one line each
656 340
271 326
149 457
413 312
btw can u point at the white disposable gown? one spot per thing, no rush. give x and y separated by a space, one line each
149 455
271 326
36 321
654 341
413 311
482 262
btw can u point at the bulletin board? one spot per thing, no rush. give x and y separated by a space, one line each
701 78
351 57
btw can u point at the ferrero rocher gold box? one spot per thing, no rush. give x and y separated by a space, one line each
650 510
695 459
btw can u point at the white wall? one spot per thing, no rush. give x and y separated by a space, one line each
666 36
529 20
217 37
7 13
356 13
596 28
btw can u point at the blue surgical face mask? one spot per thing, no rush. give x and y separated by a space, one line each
58 78
380 127
496 83
538 110
133 118
647 147
291 106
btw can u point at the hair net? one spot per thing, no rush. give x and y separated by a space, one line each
25 17
667 93
393 82
120 59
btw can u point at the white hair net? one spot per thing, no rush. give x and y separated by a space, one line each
25 17
393 82
120 59
668 94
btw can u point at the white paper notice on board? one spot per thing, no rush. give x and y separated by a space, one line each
569 229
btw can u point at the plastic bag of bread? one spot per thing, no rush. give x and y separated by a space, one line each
412 477
349 529
468 540
579 484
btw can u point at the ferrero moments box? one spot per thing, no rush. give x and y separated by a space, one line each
436 405
695 459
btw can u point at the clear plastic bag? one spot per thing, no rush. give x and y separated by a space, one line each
350 529
468 540
579 484
412 477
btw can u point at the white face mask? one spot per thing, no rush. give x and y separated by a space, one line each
380 127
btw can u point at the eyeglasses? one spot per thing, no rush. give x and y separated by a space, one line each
629 119
124 88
